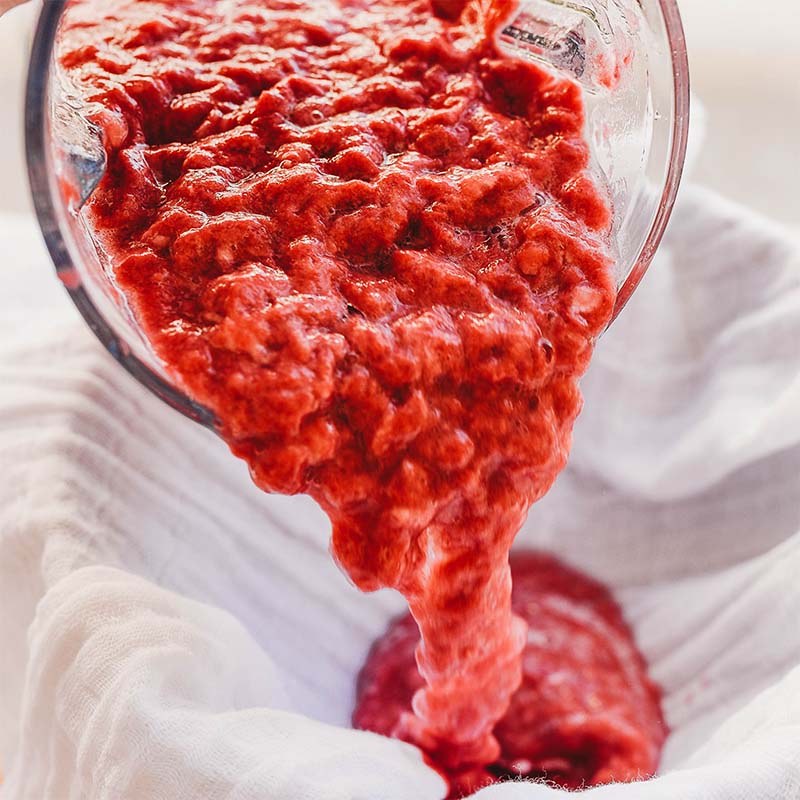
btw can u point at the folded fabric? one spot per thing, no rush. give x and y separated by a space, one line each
169 632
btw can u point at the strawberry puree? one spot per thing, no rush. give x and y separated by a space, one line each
368 242
586 712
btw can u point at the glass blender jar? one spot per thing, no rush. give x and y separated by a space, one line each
628 56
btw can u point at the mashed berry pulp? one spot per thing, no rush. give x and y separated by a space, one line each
367 240
585 713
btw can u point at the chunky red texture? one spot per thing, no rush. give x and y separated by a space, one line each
586 712
367 241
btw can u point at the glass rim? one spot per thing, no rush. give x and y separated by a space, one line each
679 142
44 204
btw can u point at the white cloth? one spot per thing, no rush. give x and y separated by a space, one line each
170 633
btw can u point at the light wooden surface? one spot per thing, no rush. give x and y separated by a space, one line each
745 67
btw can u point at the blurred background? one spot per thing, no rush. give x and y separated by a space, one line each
745 65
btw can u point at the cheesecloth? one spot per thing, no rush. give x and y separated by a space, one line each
170 633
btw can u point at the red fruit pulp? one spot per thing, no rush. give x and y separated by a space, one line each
586 712
368 241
